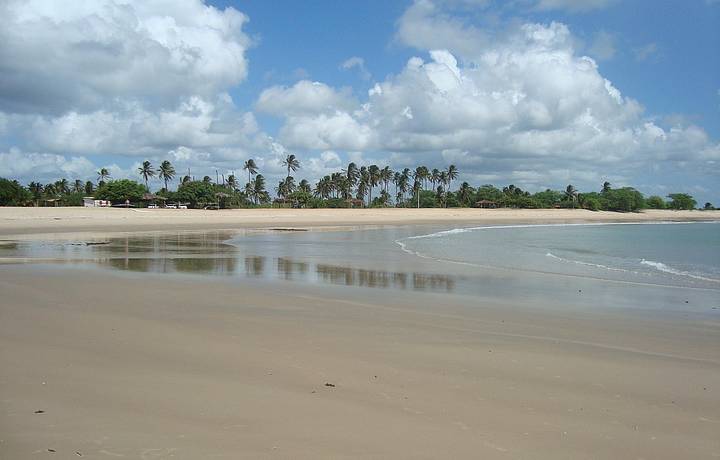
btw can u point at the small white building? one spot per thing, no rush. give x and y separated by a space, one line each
91 202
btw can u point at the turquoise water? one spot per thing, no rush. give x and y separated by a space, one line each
674 254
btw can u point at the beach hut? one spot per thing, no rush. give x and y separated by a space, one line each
152 199
485 204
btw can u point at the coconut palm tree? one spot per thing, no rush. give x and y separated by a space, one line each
78 186
464 193
606 187
362 186
103 174
304 186
166 172
434 178
285 187
62 186
373 177
321 188
417 187
386 175
146 171
36 188
452 174
424 175
443 180
352 173
232 182
251 168
571 193
291 163
256 189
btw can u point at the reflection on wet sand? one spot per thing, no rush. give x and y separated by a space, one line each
207 253
287 269
382 279
254 266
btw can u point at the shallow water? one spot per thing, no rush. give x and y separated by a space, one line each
674 254
574 265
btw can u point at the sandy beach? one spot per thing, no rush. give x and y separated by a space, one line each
102 363
21 223
151 367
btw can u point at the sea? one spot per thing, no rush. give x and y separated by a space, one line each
657 266
666 253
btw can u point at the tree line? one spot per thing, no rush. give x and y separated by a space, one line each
369 186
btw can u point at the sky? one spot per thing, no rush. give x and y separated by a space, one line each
537 93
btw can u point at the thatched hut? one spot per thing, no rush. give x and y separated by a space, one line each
485 204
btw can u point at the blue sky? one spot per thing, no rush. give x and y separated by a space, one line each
539 93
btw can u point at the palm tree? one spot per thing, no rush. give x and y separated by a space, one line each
606 187
417 188
404 182
36 188
362 186
434 178
251 168
147 171
443 179
386 175
291 163
257 189
304 186
373 178
424 175
452 174
232 182
166 172
352 173
464 193
102 175
571 193
78 186
62 186
285 187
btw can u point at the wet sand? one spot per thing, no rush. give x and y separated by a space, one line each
151 366
23 223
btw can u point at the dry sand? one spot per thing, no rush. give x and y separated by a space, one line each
52 222
131 366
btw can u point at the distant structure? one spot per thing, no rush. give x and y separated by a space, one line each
91 202
485 204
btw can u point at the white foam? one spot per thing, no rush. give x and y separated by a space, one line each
659 266
589 264
578 224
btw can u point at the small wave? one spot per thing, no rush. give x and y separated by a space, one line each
659 266
589 264
577 224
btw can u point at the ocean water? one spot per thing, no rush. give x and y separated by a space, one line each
668 254
654 266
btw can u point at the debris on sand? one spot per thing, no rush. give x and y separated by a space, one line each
327 384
